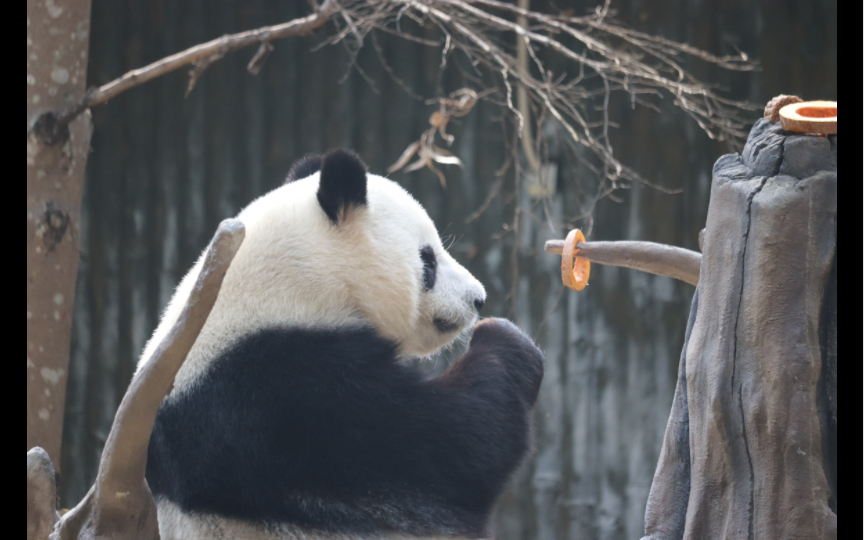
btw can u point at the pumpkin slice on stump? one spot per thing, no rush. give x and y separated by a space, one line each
810 117
574 269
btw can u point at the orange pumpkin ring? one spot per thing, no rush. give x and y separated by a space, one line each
574 273
810 117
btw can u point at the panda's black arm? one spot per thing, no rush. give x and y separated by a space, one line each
491 392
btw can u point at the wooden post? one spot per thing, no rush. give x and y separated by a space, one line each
750 449
58 34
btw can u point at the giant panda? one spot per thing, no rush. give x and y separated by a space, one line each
295 414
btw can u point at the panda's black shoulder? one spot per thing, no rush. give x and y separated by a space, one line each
305 166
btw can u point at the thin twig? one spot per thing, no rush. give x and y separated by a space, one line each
260 57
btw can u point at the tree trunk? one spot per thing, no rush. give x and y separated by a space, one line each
751 445
58 34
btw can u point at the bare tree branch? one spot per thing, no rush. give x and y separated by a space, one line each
500 37
509 47
677 263
200 55
119 505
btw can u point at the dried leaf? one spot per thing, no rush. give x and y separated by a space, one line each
439 155
439 150
419 164
405 157
460 103
446 136
438 120
440 175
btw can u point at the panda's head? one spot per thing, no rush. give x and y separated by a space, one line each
337 247
382 252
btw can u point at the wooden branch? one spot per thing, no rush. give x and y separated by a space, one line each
200 55
660 259
119 505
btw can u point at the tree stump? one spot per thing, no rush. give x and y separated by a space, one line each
750 450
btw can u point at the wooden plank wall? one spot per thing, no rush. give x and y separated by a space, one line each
165 170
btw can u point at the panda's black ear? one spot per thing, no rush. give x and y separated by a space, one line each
343 183
306 166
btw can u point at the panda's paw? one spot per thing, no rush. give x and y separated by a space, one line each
510 346
498 331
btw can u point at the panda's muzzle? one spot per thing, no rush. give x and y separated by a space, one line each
444 326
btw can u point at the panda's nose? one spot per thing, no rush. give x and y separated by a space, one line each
478 304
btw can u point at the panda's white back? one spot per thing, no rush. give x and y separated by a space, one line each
292 416
174 524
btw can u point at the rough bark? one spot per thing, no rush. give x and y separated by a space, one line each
752 434
57 42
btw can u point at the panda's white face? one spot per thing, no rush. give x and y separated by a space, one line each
401 278
380 263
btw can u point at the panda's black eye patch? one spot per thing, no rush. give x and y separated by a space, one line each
430 266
